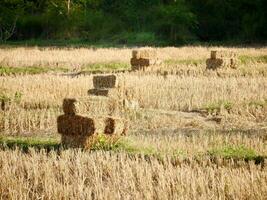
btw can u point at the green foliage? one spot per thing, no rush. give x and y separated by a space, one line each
6 97
106 144
217 106
26 70
121 145
131 38
187 62
175 20
240 152
253 59
112 66
258 103
138 22
26 143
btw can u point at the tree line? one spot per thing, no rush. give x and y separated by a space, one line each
134 21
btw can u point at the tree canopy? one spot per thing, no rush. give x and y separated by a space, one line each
136 21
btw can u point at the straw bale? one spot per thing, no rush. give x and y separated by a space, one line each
214 63
78 131
114 126
222 59
75 125
74 141
75 106
113 93
143 62
105 81
219 63
144 53
68 106
94 106
222 54
98 92
102 106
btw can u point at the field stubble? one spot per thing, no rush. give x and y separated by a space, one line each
179 95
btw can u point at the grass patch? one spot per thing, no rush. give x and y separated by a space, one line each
253 59
25 143
258 103
130 147
6 71
186 62
217 106
112 66
102 144
235 152
121 145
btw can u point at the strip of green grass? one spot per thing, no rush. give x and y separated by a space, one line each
186 62
127 146
112 66
237 153
25 143
253 59
6 71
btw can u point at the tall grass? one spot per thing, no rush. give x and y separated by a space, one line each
75 174
238 101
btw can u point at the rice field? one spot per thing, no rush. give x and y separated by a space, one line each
196 134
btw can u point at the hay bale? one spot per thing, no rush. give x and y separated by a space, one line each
94 106
74 125
220 59
69 106
213 54
110 126
82 131
214 63
222 54
77 141
143 58
114 126
112 93
144 53
137 64
98 92
101 106
105 81
75 106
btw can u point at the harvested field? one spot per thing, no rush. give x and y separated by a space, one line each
192 133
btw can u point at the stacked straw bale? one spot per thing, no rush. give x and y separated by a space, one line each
105 81
220 59
143 58
105 85
85 118
81 130
93 105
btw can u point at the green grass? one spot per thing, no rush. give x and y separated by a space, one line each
234 152
215 107
25 143
253 59
112 66
258 103
6 71
187 62
96 67
128 146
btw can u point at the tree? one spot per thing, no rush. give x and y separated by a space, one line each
10 11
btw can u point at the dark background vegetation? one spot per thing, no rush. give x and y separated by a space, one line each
139 22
